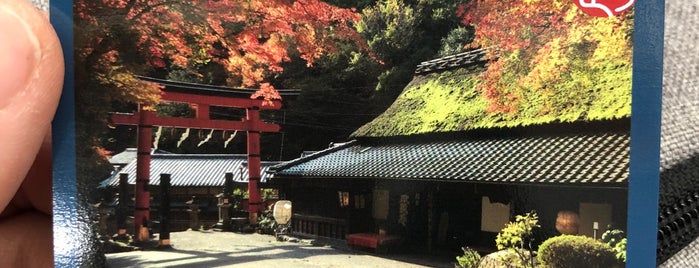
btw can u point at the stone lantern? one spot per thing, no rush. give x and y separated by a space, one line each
224 205
224 219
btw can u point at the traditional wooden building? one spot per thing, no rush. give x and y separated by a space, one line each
122 159
198 177
438 171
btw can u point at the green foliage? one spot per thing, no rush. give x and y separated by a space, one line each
615 239
620 250
266 222
240 193
573 251
455 42
612 236
517 234
517 237
389 28
402 34
237 197
268 193
470 259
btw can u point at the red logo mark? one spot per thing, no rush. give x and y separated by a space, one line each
604 8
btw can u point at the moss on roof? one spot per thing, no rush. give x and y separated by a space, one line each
448 101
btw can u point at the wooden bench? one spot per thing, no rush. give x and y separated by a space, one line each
380 243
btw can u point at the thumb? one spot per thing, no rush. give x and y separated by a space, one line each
31 64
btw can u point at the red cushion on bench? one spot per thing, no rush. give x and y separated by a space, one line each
370 240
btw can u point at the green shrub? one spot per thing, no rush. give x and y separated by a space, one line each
615 239
516 237
620 249
470 259
266 222
572 251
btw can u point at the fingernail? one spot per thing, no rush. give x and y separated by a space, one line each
19 55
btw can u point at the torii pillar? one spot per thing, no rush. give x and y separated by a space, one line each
201 100
254 198
142 202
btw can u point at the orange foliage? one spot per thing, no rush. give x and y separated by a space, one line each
249 38
535 42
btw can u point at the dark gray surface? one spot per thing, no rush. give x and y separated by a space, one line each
680 131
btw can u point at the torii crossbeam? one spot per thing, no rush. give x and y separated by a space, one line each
201 97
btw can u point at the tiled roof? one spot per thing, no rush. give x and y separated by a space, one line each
124 157
192 169
128 155
601 158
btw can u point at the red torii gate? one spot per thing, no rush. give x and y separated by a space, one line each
201 97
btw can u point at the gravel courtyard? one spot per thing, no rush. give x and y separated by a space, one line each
226 249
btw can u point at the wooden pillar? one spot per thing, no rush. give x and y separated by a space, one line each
430 220
164 211
122 207
254 201
142 205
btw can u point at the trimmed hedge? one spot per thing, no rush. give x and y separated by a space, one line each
573 251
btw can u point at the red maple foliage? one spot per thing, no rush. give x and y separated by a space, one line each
250 39
538 45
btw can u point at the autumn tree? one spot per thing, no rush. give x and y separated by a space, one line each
236 43
343 91
551 59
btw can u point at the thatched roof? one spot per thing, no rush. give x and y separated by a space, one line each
447 100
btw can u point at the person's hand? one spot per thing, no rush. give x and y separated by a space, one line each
31 78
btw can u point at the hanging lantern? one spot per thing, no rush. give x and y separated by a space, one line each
567 222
